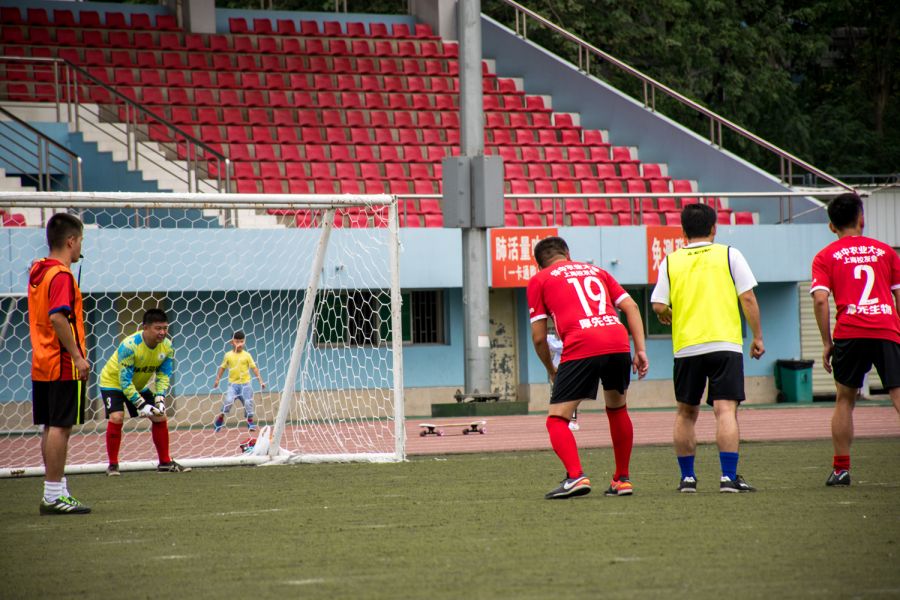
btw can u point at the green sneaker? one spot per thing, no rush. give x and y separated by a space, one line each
64 505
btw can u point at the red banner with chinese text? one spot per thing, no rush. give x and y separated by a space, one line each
512 257
660 242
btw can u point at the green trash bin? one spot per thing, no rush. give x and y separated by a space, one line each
793 378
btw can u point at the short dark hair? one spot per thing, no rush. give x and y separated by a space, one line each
549 247
697 220
238 335
154 315
61 227
844 210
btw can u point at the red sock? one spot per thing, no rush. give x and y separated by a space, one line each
841 462
622 433
160 433
113 441
563 442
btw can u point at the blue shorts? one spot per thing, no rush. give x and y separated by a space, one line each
242 392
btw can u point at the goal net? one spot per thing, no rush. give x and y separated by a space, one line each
311 281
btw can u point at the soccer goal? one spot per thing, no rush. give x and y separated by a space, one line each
311 280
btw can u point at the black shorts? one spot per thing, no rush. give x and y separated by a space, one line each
58 403
580 379
115 401
854 357
723 370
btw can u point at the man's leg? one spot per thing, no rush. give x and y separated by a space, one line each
895 398
55 451
727 432
842 427
684 435
561 438
114 439
159 431
55 446
728 439
621 431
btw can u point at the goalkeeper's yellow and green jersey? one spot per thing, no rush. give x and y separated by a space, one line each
238 365
132 365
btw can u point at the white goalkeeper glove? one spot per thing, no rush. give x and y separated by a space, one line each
160 402
146 409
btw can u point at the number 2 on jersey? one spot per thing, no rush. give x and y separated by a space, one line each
864 299
587 291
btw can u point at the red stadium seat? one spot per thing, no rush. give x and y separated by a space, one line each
743 218
237 25
141 21
286 27
673 218
603 219
723 217
166 22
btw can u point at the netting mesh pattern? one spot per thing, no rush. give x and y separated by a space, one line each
212 283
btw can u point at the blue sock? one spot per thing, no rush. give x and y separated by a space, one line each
729 462
687 466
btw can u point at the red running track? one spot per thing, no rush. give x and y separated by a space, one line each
527 432
509 433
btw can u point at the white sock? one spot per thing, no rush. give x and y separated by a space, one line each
65 486
52 490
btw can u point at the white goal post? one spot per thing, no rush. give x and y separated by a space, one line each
312 281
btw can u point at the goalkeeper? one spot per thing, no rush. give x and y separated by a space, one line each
139 357
239 363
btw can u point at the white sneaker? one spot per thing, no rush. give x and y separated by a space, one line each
574 426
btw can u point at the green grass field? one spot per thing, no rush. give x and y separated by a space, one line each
469 526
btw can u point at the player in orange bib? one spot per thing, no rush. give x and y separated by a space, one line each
59 369
863 275
582 300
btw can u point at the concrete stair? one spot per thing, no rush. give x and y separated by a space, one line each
155 162
9 183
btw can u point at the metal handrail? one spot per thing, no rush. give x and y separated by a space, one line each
133 111
716 122
44 167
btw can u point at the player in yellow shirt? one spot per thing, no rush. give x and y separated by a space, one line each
125 383
239 364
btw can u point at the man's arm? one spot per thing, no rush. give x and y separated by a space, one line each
751 312
823 320
663 313
164 376
67 339
126 376
896 301
636 326
539 339
262 384
219 376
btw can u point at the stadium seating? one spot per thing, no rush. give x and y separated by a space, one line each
301 105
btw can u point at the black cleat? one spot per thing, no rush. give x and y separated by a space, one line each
688 485
838 479
64 505
570 488
737 485
172 467
112 471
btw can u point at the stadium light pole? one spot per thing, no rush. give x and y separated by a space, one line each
476 313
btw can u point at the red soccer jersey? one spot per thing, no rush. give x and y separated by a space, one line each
860 273
581 298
